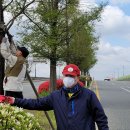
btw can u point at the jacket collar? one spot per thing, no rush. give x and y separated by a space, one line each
76 90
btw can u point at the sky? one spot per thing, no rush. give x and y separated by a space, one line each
114 45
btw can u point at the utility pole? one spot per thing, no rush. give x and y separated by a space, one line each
123 70
2 62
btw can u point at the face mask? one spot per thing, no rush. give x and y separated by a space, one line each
68 82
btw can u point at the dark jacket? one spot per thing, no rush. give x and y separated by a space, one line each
80 112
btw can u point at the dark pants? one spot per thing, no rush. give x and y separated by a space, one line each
14 94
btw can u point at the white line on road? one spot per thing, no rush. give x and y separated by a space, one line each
126 89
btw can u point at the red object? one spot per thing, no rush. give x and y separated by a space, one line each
45 85
71 69
6 99
81 84
59 83
2 98
10 100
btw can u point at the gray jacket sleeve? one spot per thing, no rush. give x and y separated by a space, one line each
8 56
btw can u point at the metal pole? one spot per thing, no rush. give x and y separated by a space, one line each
123 71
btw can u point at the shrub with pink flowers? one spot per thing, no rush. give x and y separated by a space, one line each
43 89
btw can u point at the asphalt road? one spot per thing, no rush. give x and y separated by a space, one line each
115 98
27 89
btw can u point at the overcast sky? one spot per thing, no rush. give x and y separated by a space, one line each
114 47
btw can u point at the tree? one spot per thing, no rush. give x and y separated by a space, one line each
52 31
83 44
47 33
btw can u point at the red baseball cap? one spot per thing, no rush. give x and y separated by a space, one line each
71 69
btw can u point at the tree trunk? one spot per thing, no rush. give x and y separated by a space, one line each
1 74
67 33
2 63
52 75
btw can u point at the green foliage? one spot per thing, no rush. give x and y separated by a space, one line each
124 78
82 45
44 94
59 31
40 115
82 78
14 118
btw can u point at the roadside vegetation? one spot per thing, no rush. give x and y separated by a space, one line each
124 78
43 120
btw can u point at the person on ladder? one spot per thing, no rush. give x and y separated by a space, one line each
15 66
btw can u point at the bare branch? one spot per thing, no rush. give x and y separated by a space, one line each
29 3
32 21
35 24
10 23
7 5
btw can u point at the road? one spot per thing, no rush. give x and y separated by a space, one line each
115 98
27 89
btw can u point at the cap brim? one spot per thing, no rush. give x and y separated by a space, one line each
70 73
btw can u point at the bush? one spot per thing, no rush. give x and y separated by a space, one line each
43 89
14 118
44 93
82 79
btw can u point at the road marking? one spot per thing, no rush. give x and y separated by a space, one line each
97 91
126 89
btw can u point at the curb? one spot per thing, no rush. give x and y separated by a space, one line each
94 87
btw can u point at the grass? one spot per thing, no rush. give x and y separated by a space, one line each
42 118
124 78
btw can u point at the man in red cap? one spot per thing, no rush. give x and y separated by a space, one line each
75 107
15 67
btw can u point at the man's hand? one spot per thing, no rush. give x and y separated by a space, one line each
6 99
4 39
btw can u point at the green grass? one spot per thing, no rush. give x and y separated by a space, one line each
124 78
43 120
